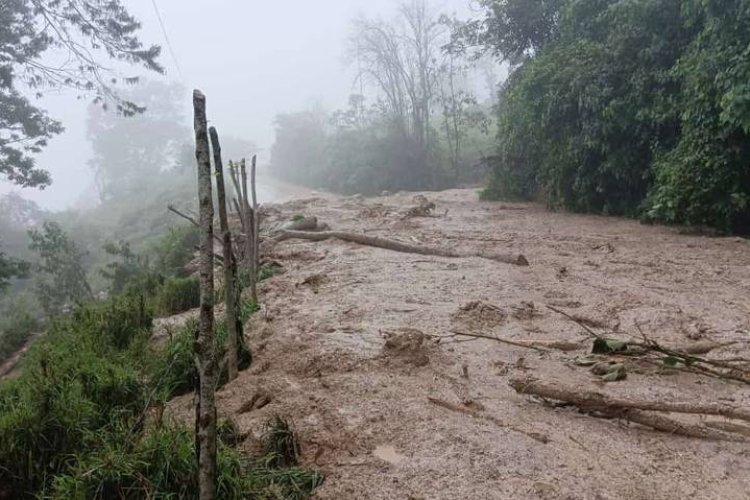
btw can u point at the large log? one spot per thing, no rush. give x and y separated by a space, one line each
396 246
634 410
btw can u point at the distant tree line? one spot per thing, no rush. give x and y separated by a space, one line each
639 108
415 124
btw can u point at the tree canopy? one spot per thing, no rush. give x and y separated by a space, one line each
53 44
639 108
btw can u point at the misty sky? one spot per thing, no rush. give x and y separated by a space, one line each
252 58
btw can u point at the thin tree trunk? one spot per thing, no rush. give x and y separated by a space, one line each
230 278
205 343
256 225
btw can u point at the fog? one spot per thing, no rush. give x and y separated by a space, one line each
252 59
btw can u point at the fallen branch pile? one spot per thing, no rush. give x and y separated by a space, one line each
633 410
396 246
682 358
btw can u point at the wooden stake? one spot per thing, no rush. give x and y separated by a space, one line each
256 224
230 269
205 342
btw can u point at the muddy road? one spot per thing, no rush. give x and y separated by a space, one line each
354 343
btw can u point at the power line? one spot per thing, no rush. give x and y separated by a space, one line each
166 37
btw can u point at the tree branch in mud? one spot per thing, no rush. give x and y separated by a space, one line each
530 344
635 410
536 436
396 246
680 358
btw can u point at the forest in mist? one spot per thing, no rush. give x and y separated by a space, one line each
625 108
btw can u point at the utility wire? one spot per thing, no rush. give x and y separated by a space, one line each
166 37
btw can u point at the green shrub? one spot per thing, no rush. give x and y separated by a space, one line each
78 422
175 250
177 295
175 372
633 108
280 443
118 320
17 323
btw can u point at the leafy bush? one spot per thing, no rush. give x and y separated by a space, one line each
177 295
176 373
17 323
175 250
632 108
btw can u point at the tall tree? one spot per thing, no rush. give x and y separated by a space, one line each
129 151
402 60
60 273
54 44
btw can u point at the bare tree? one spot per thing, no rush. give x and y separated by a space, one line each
205 342
402 60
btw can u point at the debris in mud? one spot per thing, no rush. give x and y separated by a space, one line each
314 281
424 207
605 247
479 315
673 357
256 402
408 345
525 311
377 210
317 365
609 371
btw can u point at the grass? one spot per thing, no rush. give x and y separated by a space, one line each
280 443
82 420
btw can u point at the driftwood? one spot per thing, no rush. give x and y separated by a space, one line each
634 410
396 246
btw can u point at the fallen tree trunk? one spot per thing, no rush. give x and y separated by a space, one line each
634 410
396 246
592 399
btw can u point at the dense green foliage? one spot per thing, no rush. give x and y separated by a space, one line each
60 273
635 107
10 268
177 295
86 31
18 321
83 420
